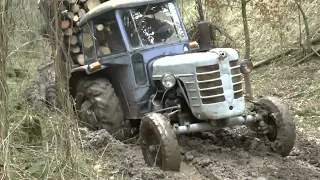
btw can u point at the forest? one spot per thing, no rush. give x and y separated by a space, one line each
41 137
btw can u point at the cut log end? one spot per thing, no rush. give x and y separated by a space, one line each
81 13
99 27
90 4
75 49
75 8
65 24
80 59
75 18
87 40
103 50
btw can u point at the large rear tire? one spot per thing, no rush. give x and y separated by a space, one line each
159 143
100 108
282 133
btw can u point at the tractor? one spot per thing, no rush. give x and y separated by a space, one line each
144 70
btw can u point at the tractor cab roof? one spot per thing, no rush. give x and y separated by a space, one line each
115 4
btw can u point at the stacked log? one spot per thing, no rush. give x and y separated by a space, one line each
71 13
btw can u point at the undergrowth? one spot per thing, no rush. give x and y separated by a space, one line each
35 136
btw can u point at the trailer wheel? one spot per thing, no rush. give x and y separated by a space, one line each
159 143
282 129
99 107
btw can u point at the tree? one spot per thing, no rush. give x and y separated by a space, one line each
5 22
307 44
247 45
51 12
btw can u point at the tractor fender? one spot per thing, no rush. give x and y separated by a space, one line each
86 69
78 73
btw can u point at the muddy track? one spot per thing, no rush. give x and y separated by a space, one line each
227 154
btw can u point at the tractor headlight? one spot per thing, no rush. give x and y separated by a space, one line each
246 66
168 81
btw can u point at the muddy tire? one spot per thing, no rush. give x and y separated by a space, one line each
159 143
100 107
283 132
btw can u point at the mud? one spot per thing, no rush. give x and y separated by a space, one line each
226 154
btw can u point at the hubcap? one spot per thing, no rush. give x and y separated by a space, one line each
272 129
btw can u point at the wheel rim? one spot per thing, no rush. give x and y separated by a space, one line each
152 148
272 132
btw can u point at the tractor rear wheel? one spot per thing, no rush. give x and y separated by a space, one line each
99 107
159 142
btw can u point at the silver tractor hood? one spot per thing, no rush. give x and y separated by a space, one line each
212 79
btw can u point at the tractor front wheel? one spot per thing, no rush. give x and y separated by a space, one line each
99 107
159 143
281 128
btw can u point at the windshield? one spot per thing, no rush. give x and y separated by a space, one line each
153 24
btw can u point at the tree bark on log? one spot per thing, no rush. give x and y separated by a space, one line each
265 61
306 57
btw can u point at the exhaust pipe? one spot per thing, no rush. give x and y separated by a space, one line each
204 30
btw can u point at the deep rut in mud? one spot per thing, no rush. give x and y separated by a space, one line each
226 154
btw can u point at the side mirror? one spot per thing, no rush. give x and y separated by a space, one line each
246 66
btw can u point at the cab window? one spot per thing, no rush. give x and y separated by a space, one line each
107 35
87 41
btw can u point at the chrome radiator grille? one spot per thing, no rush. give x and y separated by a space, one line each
236 79
210 84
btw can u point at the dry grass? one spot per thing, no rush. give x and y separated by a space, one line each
36 151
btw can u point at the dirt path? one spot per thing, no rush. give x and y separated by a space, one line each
227 154
232 155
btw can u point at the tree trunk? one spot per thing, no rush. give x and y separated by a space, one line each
247 44
62 71
307 47
200 10
5 22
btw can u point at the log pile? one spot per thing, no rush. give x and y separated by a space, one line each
71 13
